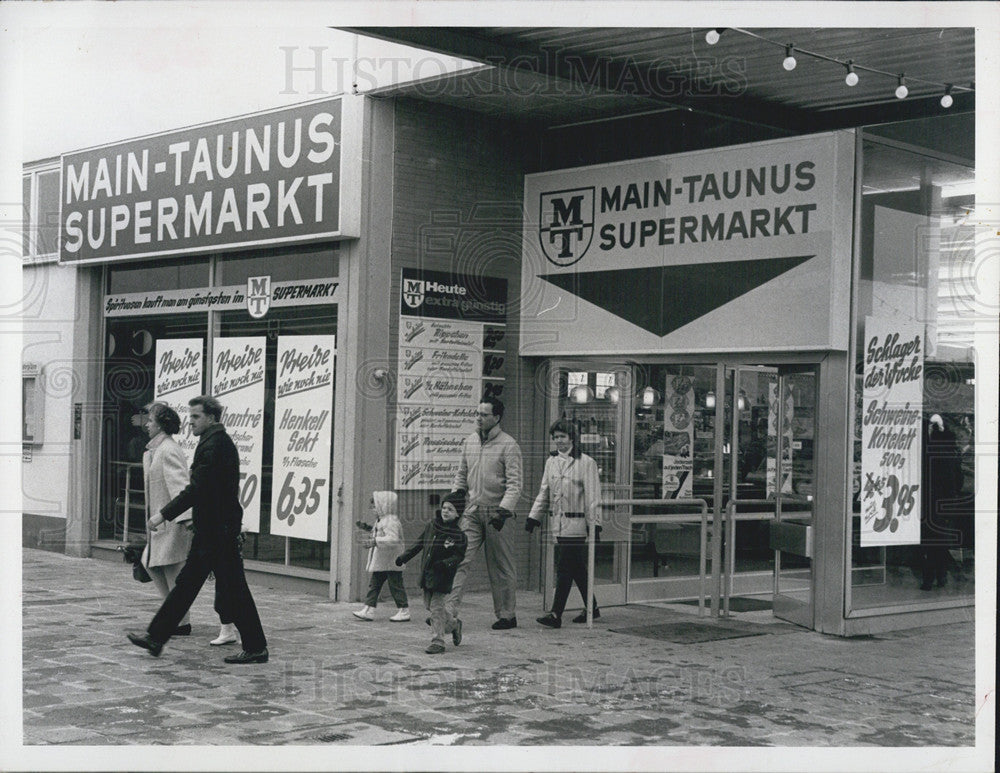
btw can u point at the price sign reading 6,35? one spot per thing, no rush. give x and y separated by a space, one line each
299 495
303 424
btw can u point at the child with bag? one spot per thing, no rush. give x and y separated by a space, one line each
443 543
385 543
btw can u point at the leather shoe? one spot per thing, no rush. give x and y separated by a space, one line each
582 617
550 621
435 648
147 642
504 623
183 630
248 657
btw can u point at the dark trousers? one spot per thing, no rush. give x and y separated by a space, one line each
934 564
571 566
232 594
395 580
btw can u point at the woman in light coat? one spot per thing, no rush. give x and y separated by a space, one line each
385 543
165 474
571 494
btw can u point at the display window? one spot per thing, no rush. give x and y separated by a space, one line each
264 545
912 525
281 361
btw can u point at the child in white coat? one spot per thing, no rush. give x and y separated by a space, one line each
385 543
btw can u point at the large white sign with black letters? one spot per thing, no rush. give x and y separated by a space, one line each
714 250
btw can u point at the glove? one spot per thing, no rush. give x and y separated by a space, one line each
399 561
597 533
530 524
497 521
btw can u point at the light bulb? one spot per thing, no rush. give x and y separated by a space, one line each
901 90
789 61
946 100
710 400
712 37
852 77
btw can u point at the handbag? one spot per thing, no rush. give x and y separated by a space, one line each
132 554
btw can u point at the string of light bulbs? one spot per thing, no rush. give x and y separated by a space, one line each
851 67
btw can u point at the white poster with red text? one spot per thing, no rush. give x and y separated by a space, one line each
303 431
238 383
177 377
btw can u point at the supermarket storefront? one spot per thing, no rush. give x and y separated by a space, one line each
216 253
752 342
715 323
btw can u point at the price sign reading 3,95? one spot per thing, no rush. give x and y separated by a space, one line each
891 432
303 424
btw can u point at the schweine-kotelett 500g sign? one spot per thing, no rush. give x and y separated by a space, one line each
251 180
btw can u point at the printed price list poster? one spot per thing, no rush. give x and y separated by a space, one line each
452 352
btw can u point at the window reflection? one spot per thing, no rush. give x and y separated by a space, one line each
918 265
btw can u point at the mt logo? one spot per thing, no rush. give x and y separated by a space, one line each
413 292
566 224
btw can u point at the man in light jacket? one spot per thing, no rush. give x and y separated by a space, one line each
491 473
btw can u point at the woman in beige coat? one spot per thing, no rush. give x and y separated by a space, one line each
165 474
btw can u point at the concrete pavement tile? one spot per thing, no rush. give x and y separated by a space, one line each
57 735
39 700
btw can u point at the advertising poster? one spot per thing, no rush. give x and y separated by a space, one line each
452 347
678 438
177 378
303 430
238 383
891 438
785 437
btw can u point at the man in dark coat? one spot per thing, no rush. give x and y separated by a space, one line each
942 484
213 496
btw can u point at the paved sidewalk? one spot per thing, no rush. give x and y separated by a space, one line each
333 679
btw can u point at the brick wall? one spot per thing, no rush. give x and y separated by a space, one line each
458 185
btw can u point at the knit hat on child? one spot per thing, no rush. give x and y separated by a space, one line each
457 500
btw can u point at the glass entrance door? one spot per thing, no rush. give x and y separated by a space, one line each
672 439
737 439
769 522
792 528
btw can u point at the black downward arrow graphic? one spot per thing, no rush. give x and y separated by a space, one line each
662 299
